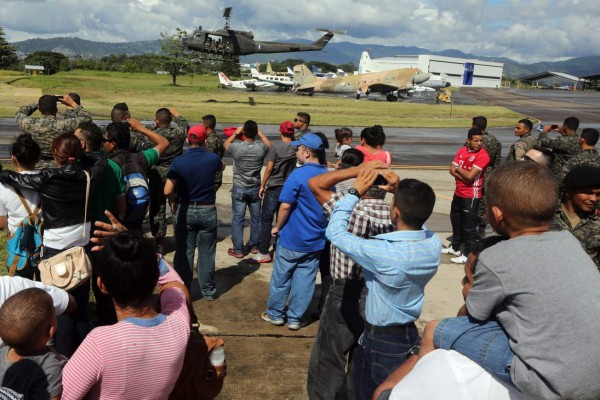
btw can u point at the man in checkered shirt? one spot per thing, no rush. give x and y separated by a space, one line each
341 322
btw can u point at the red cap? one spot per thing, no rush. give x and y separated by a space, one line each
287 128
230 130
197 134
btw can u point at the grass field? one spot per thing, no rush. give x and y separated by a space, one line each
198 95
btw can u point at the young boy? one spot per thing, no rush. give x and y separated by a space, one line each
27 366
531 312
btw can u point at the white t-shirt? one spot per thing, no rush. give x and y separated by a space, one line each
11 206
10 285
448 375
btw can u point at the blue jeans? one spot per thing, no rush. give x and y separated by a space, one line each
196 227
378 355
294 275
240 198
484 342
270 206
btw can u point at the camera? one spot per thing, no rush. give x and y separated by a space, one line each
58 98
553 127
380 180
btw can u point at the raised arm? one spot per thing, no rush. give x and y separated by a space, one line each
264 139
161 143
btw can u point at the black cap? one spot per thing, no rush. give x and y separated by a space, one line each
583 176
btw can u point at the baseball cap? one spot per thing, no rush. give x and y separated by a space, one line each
583 176
286 127
309 140
197 134
230 130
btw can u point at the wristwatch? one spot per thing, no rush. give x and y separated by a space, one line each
354 192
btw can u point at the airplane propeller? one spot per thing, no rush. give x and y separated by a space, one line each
337 32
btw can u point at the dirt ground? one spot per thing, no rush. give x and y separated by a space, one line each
269 362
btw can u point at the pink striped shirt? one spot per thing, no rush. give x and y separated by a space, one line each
134 359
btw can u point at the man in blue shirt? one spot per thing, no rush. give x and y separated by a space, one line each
396 266
301 227
190 189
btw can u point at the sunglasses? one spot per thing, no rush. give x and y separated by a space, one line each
299 120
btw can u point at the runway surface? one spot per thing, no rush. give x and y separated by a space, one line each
436 147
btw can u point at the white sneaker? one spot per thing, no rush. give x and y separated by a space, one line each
459 260
450 250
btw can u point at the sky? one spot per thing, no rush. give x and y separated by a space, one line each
523 30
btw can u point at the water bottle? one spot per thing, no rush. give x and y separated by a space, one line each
217 356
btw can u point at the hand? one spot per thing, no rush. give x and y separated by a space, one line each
365 180
392 178
106 230
261 192
134 124
174 112
68 101
275 231
238 130
375 164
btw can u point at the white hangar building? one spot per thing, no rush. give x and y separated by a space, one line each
458 71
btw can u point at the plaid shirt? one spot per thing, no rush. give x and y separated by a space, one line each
370 217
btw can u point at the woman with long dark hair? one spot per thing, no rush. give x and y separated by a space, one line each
63 192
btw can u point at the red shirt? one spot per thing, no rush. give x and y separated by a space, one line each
382 155
468 159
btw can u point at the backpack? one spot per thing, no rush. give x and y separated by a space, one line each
23 247
137 193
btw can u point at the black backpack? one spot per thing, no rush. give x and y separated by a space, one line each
137 194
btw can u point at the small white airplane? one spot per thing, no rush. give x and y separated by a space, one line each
283 82
436 82
251 84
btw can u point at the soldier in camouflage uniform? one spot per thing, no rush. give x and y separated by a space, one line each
157 176
69 112
588 156
214 144
138 142
563 147
301 124
576 211
525 143
492 145
48 127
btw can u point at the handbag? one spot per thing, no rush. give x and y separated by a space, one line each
70 268
199 378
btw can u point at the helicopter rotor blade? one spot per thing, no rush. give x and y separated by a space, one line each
227 12
337 32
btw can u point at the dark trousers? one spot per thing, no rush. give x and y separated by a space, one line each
158 204
378 355
72 328
340 327
270 206
463 216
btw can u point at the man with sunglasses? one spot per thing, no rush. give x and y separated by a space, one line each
301 123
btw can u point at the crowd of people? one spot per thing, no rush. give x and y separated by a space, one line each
94 187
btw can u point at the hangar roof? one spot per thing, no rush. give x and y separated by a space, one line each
591 77
548 74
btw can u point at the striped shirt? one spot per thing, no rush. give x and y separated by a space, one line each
370 217
136 358
396 265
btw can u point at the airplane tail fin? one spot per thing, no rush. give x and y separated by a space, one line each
302 76
254 71
290 72
323 40
364 66
224 80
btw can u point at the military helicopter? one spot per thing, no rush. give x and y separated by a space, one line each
227 42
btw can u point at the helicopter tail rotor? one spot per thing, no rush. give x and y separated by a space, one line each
337 32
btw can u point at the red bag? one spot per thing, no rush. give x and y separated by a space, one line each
199 379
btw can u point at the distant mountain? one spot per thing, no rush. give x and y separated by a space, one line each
334 53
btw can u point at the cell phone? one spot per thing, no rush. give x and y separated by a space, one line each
58 98
553 127
380 180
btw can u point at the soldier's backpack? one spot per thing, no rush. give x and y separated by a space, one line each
137 194
23 247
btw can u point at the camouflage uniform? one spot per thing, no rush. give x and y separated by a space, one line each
492 145
563 147
214 144
48 127
520 147
157 176
301 133
586 157
587 232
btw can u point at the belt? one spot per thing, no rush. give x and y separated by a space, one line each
347 281
389 330
198 203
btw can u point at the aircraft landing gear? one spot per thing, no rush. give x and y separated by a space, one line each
391 97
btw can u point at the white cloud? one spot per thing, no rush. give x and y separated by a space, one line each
526 30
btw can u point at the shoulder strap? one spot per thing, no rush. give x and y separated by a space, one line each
87 194
24 202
